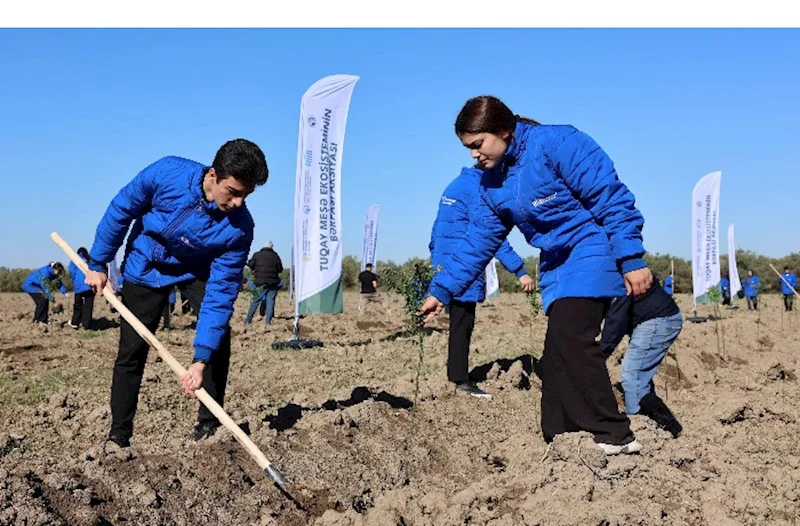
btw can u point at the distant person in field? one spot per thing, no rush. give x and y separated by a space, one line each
83 294
668 284
369 288
652 321
725 289
191 228
40 286
267 267
789 278
560 189
751 285
450 226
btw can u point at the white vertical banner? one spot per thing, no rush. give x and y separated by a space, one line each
705 236
492 282
369 249
733 270
318 199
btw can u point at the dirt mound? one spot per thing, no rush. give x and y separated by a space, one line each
340 423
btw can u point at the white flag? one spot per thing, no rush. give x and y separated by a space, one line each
492 283
370 248
733 270
705 235
318 199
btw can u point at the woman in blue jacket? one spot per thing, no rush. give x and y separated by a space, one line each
560 189
40 285
452 222
84 295
750 286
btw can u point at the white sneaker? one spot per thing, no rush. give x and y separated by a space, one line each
625 449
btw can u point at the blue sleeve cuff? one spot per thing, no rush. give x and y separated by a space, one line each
204 353
629 265
440 293
97 267
521 272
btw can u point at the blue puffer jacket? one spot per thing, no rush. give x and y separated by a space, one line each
751 285
79 285
178 236
561 190
792 279
451 225
36 282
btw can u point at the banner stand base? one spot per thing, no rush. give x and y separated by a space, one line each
697 319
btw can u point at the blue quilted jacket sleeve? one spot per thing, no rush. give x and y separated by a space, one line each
222 289
485 234
590 175
511 260
130 203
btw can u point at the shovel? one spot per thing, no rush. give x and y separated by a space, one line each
202 395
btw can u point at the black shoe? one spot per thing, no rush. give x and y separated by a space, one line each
205 430
472 389
119 439
654 408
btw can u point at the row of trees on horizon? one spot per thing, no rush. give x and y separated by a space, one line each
11 279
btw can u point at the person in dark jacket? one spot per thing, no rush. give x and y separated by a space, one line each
653 322
84 295
191 228
267 267
787 282
40 285
560 189
450 226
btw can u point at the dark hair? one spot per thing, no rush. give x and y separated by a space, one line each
368 265
243 160
487 114
82 252
58 266
785 268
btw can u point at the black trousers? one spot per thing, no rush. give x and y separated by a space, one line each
42 306
462 321
788 301
576 390
148 305
82 309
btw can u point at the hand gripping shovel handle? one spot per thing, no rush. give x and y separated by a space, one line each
176 367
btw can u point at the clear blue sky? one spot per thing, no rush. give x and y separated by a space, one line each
83 111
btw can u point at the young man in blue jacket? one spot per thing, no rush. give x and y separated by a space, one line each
190 227
788 282
84 296
451 225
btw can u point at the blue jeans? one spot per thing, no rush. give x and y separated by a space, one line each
268 294
648 347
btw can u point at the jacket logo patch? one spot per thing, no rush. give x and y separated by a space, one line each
448 201
543 200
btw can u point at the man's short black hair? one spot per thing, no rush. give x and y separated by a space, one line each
368 265
243 160
785 268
